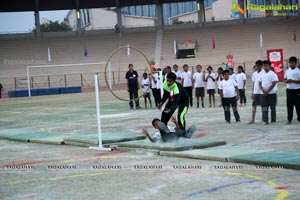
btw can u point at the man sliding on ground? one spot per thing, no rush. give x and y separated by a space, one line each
178 98
164 134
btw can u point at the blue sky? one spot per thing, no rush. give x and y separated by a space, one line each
24 21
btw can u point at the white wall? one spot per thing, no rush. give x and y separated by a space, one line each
102 19
135 21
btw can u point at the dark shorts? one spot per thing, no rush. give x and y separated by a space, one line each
199 92
218 91
257 99
211 91
146 95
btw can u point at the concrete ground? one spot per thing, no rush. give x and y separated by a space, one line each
39 171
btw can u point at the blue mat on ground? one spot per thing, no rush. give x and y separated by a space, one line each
285 158
32 136
45 91
180 145
107 138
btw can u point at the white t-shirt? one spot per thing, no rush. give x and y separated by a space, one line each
198 77
178 74
187 79
293 74
146 85
255 80
210 83
153 79
220 78
233 76
157 135
158 84
228 87
266 78
240 78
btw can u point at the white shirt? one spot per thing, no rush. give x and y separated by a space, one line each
293 74
198 77
178 74
233 76
154 78
146 85
228 87
255 80
219 80
157 135
266 78
158 84
210 83
240 78
187 79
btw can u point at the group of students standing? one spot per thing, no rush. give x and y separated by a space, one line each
231 87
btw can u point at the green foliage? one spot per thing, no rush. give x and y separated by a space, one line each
54 27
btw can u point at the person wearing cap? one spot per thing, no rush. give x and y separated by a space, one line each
268 86
292 80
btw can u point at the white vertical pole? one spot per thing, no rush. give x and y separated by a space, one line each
109 74
28 82
98 111
161 84
98 117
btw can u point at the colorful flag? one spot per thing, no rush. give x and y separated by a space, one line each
49 55
128 50
175 47
295 37
86 53
260 40
213 45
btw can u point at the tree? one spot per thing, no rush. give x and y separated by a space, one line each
54 27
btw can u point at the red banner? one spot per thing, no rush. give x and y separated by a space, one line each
275 56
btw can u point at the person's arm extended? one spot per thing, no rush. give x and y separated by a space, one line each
244 86
221 94
173 119
260 86
127 84
164 99
149 136
292 81
237 93
212 78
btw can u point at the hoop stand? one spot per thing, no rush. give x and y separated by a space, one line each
100 147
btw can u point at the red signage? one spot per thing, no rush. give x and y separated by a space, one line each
275 56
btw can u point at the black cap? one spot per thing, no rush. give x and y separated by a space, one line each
293 59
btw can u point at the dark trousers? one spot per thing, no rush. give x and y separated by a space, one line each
227 103
189 90
172 136
154 93
133 96
269 100
293 99
182 110
242 97
158 94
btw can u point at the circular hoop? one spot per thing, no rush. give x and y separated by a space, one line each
105 70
